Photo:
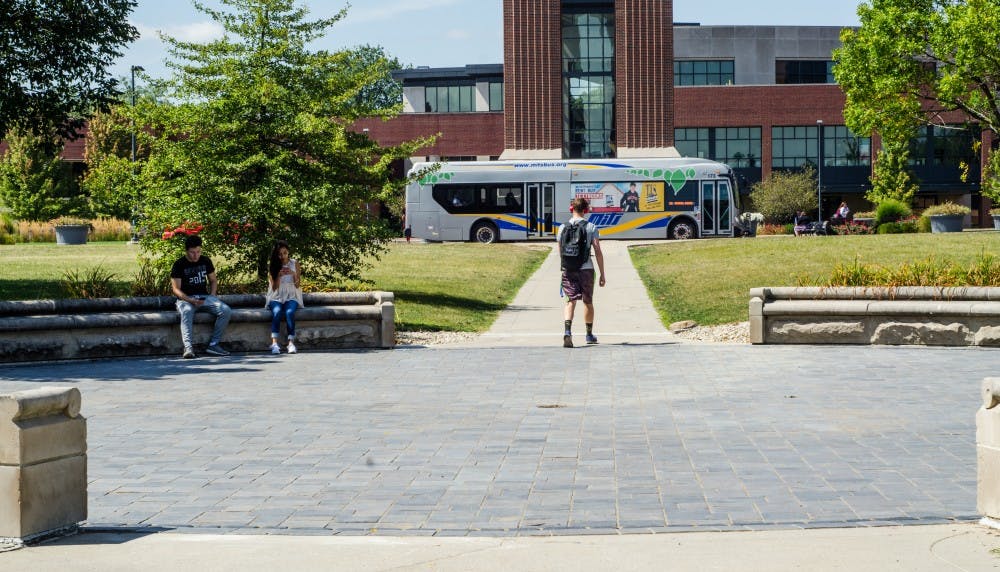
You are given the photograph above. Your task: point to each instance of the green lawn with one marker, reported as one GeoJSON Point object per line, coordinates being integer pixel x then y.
{"type": "Point", "coordinates": [708, 280]}
{"type": "Point", "coordinates": [448, 287]}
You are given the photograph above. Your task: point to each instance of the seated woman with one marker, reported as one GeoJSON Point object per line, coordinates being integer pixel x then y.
{"type": "Point", "coordinates": [801, 221]}
{"type": "Point", "coordinates": [842, 215]}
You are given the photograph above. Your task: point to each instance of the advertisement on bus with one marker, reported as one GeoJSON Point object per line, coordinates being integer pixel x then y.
{"type": "Point", "coordinates": [645, 196]}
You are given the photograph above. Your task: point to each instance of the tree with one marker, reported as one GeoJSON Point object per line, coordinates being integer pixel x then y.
{"type": "Point", "coordinates": [258, 145]}
{"type": "Point", "coordinates": [111, 182]}
{"type": "Point", "coordinates": [912, 60]}
{"type": "Point", "coordinates": [784, 194]}
{"type": "Point", "coordinates": [383, 94]}
{"type": "Point", "coordinates": [35, 184]}
{"type": "Point", "coordinates": [54, 56]}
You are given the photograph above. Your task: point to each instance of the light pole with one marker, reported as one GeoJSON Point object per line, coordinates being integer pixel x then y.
{"type": "Point", "coordinates": [819, 170]}
{"type": "Point", "coordinates": [135, 205]}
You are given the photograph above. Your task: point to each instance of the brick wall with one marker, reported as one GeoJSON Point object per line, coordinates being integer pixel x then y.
{"type": "Point", "coordinates": [644, 73]}
{"type": "Point", "coordinates": [461, 133]}
{"type": "Point", "coordinates": [532, 33]}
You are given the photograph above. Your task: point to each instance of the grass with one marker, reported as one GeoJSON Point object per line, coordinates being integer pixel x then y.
{"type": "Point", "coordinates": [438, 287]}
{"type": "Point", "coordinates": [33, 270]}
{"type": "Point", "coordinates": [453, 287]}
{"type": "Point", "coordinates": [708, 280]}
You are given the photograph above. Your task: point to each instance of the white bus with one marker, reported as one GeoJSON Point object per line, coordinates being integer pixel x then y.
{"type": "Point", "coordinates": [517, 200]}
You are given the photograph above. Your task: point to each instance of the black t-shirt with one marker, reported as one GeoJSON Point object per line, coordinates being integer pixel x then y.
{"type": "Point", "coordinates": [193, 275]}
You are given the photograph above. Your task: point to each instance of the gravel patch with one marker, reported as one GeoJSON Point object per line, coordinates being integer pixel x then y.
{"type": "Point", "coordinates": [433, 338]}
{"type": "Point", "coordinates": [738, 333]}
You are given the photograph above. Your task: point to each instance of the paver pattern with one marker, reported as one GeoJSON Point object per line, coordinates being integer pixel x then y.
{"type": "Point", "coordinates": [519, 441]}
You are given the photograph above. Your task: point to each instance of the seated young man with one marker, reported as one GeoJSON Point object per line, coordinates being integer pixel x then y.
{"type": "Point", "coordinates": [194, 283]}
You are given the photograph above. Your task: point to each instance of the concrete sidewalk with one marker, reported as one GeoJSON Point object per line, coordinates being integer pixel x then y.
{"type": "Point", "coordinates": [623, 312]}
{"type": "Point", "coordinates": [959, 547]}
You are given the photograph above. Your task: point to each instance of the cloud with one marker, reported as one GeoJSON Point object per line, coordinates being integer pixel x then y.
{"type": "Point", "coordinates": [394, 9]}
{"type": "Point", "coordinates": [199, 32]}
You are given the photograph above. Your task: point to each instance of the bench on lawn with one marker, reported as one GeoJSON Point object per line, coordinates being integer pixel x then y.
{"type": "Point", "coordinates": [918, 315]}
{"type": "Point", "coordinates": [35, 330]}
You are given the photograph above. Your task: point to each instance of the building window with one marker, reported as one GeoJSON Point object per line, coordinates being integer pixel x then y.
{"type": "Point", "coordinates": [450, 98]}
{"type": "Point", "coordinates": [842, 148]}
{"type": "Point", "coordinates": [793, 147]}
{"type": "Point", "coordinates": [944, 147]}
{"type": "Point", "coordinates": [496, 96]}
{"type": "Point", "coordinates": [588, 84]}
{"type": "Point", "coordinates": [704, 72]}
{"type": "Point", "coordinates": [738, 147]}
{"type": "Point", "coordinates": [803, 71]}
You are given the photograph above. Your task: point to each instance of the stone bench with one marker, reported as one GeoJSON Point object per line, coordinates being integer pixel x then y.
{"type": "Point", "coordinates": [965, 316]}
{"type": "Point", "coordinates": [36, 330]}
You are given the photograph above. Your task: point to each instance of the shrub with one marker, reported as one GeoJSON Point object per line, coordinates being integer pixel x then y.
{"type": "Point", "coordinates": [901, 227]}
{"type": "Point", "coordinates": [93, 283]}
{"type": "Point", "coordinates": [891, 210]}
{"type": "Point", "coordinates": [851, 227]}
{"type": "Point", "coordinates": [864, 214]}
{"type": "Point", "coordinates": [773, 229]}
{"type": "Point", "coordinates": [150, 280]}
{"type": "Point", "coordinates": [947, 209]}
{"type": "Point", "coordinates": [784, 194]}
{"type": "Point", "coordinates": [984, 271]}
{"type": "Point", "coordinates": [924, 224]}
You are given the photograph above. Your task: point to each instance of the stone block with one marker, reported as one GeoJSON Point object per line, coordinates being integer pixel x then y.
{"type": "Point", "coordinates": [33, 441]}
{"type": "Point", "coordinates": [921, 333]}
{"type": "Point", "coordinates": [817, 332]}
{"type": "Point", "coordinates": [40, 498]}
{"type": "Point", "coordinates": [988, 336]}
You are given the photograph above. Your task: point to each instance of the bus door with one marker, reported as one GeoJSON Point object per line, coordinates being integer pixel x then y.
{"type": "Point", "coordinates": [716, 208]}
{"type": "Point", "coordinates": [540, 209]}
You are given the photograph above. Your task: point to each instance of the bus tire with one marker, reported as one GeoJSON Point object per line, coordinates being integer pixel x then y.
{"type": "Point", "coordinates": [485, 233]}
{"type": "Point", "coordinates": [682, 229]}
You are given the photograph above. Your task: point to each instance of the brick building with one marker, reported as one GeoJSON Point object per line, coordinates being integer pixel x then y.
{"type": "Point", "coordinates": [592, 78]}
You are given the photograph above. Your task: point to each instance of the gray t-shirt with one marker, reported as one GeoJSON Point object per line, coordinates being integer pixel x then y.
{"type": "Point", "coordinates": [592, 233]}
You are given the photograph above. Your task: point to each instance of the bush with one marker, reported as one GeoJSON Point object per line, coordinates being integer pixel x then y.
{"type": "Point", "coordinates": [924, 223]}
{"type": "Point", "coordinates": [901, 227]}
{"type": "Point", "coordinates": [150, 280]}
{"type": "Point", "coordinates": [784, 194]}
{"type": "Point", "coordinates": [947, 209]}
{"type": "Point", "coordinates": [773, 229]}
{"type": "Point", "coordinates": [851, 227]}
{"type": "Point", "coordinates": [984, 271]}
{"type": "Point", "coordinates": [93, 283]}
{"type": "Point", "coordinates": [891, 210]}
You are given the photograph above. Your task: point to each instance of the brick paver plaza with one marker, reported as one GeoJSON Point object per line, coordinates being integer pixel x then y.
{"type": "Point", "coordinates": [518, 441]}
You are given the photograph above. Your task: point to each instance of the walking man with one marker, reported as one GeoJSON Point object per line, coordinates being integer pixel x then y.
{"type": "Point", "coordinates": [576, 239]}
{"type": "Point", "coordinates": [194, 283]}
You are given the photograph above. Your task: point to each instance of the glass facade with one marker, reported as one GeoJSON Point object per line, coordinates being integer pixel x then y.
{"type": "Point", "coordinates": [496, 96]}
{"type": "Point", "coordinates": [738, 147]}
{"type": "Point", "coordinates": [704, 72]}
{"type": "Point", "coordinates": [842, 148]}
{"type": "Point", "coordinates": [588, 47]}
{"type": "Point", "coordinates": [793, 147]}
{"type": "Point", "coordinates": [450, 98]}
{"type": "Point", "coordinates": [803, 71]}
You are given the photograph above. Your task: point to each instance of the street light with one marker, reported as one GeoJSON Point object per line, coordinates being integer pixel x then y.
{"type": "Point", "coordinates": [819, 170]}
{"type": "Point", "coordinates": [135, 205]}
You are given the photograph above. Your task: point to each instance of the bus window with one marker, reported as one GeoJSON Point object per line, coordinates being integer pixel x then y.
{"type": "Point", "coordinates": [479, 199]}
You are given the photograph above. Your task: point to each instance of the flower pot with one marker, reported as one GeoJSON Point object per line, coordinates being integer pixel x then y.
{"type": "Point", "coordinates": [72, 233]}
{"type": "Point", "coordinates": [996, 222]}
{"type": "Point", "coordinates": [947, 223]}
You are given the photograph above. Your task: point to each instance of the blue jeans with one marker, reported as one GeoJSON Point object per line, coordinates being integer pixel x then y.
{"type": "Point", "coordinates": [212, 305]}
{"type": "Point", "coordinates": [288, 309]}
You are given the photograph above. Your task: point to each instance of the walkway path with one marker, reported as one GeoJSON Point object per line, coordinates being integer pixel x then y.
{"type": "Point", "coordinates": [623, 311]}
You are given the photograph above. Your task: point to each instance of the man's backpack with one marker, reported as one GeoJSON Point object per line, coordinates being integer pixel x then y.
{"type": "Point", "coordinates": [574, 245]}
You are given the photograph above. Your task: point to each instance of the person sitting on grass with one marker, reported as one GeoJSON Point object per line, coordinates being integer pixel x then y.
{"type": "Point", "coordinates": [193, 281]}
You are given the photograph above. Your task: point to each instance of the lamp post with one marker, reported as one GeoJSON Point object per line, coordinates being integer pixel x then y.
{"type": "Point", "coordinates": [135, 206]}
{"type": "Point", "coordinates": [819, 170]}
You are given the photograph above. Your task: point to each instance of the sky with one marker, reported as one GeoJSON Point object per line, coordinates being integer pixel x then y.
{"type": "Point", "coordinates": [442, 33]}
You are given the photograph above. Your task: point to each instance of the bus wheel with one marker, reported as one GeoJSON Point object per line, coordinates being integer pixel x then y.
{"type": "Point", "coordinates": [681, 230]}
{"type": "Point", "coordinates": [485, 233]}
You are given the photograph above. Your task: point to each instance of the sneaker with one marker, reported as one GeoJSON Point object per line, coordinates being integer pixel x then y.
{"type": "Point", "coordinates": [291, 348]}
{"type": "Point", "coordinates": [188, 353]}
{"type": "Point", "coordinates": [591, 339]}
{"type": "Point", "coordinates": [275, 349]}
{"type": "Point", "coordinates": [568, 340]}
{"type": "Point", "coordinates": [216, 350]}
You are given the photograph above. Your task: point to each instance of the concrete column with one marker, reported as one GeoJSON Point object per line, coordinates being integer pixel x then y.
{"type": "Point", "coordinates": [988, 452]}
{"type": "Point", "coordinates": [43, 463]}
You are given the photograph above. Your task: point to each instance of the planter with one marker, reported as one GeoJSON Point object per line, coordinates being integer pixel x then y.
{"type": "Point", "coordinates": [947, 223]}
{"type": "Point", "coordinates": [72, 233]}
{"type": "Point", "coordinates": [996, 222]}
